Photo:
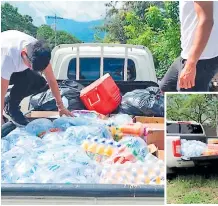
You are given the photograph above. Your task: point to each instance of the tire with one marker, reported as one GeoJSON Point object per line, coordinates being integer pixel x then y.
{"type": "Point", "coordinates": [171, 173]}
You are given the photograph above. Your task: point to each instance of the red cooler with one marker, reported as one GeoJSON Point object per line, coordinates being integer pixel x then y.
{"type": "Point", "coordinates": [102, 96]}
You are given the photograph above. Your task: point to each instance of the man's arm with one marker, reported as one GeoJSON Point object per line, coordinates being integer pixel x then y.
{"type": "Point", "coordinates": [7, 68]}
{"type": "Point", "coordinates": [52, 82]}
{"type": "Point", "coordinates": [204, 10]}
{"type": "Point", "coordinates": [4, 89]}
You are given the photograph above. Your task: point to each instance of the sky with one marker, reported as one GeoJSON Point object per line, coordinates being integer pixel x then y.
{"type": "Point", "coordinates": [76, 10]}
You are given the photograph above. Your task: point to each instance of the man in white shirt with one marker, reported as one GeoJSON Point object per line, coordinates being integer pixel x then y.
{"type": "Point", "coordinates": [22, 59]}
{"type": "Point", "coordinates": [198, 62]}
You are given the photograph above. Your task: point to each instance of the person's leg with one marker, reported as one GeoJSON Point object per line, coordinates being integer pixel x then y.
{"type": "Point", "coordinates": [206, 69]}
{"type": "Point", "coordinates": [169, 82]}
{"type": "Point", "coordinates": [25, 84]}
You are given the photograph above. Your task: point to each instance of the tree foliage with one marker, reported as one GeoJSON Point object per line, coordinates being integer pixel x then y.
{"type": "Point", "coordinates": [152, 24]}
{"type": "Point", "coordinates": [47, 33]}
{"type": "Point", "coordinates": [11, 19]}
{"type": "Point", "coordinates": [201, 108]}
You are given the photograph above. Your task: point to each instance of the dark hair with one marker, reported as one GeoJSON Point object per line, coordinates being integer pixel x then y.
{"type": "Point", "coordinates": [39, 55]}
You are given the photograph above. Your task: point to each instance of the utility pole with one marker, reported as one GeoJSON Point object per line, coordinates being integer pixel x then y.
{"type": "Point", "coordinates": [55, 17]}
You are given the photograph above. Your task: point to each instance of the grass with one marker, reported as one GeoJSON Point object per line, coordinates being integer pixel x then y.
{"type": "Point", "coordinates": [192, 189]}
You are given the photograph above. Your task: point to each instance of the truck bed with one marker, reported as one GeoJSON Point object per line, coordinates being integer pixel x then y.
{"type": "Point", "coordinates": [124, 86]}
{"type": "Point", "coordinates": [202, 160]}
{"type": "Point", "coordinates": [79, 193]}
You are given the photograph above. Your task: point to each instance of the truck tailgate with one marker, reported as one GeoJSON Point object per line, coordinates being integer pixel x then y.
{"type": "Point", "coordinates": [81, 194]}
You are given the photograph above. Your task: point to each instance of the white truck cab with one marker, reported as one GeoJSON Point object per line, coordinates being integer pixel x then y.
{"type": "Point", "coordinates": [89, 61]}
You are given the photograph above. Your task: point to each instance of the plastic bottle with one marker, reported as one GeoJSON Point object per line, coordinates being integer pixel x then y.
{"type": "Point", "coordinates": [136, 129]}
{"type": "Point", "coordinates": [5, 145]}
{"type": "Point", "coordinates": [39, 126]}
{"type": "Point", "coordinates": [108, 151]}
{"type": "Point", "coordinates": [91, 150]}
{"type": "Point", "coordinates": [85, 145]}
{"type": "Point", "coordinates": [100, 152]}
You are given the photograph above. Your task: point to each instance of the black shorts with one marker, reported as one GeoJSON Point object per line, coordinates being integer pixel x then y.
{"type": "Point", "coordinates": [206, 70]}
{"type": "Point", "coordinates": [25, 83]}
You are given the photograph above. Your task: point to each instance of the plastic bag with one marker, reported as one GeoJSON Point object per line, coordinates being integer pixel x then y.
{"type": "Point", "coordinates": [24, 168]}
{"type": "Point", "coordinates": [137, 146]}
{"type": "Point", "coordinates": [65, 122]}
{"type": "Point", "coordinates": [79, 133]}
{"type": "Point", "coordinates": [88, 114]}
{"type": "Point", "coordinates": [5, 145]}
{"type": "Point", "coordinates": [136, 173]}
{"type": "Point", "coordinates": [51, 137]}
{"type": "Point", "coordinates": [119, 120]}
{"type": "Point", "coordinates": [10, 159]}
{"type": "Point", "coordinates": [192, 148]}
{"type": "Point", "coordinates": [39, 126]}
{"type": "Point", "coordinates": [143, 102]}
{"type": "Point", "coordinates": [70, 90]}
{"type": "Point", "coordinates": [47, 173]}
{"type": "Point", "coordinates": [29, 142]}
{"type": "Point", "coordinates": [14, 136]}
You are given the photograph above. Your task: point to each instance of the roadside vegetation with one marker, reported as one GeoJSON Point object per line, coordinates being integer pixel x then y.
{"type": "Point", "coordinates": [12, 19]}
{"type": "Point", "coordinates": [193, 189]}
{"type": "Point", "coordinates": [151, 24]}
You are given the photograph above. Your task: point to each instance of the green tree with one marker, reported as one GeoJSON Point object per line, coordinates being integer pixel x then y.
{"type": "Point", "coordinates": [47, 33]}
{"type": "Point", "coordinates": [152, 24]}
{"type": "Point", "coordinates": [12, 19]}
{"type": "Point", "coordinates": [201, 108]}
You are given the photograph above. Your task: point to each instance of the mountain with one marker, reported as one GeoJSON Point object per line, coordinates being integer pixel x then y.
{"type": "Point", "coordinates": [84, 31]}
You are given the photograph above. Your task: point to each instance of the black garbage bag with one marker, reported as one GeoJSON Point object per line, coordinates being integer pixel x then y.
{"type": "Point", "coordinates": [69, 89]}
{"type": "Point", "coordinates": [143, 102]}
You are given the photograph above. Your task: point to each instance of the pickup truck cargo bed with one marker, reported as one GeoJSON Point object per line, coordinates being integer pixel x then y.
{"type": "Point", "coordinates": [79, 193]}
{"type": "Point", "coordinates": [211, 159]}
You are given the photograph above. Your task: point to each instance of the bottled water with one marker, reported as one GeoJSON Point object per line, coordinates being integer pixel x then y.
{"type": "Point", "coordinates": [137, 146]}
{"type": "Point", "coordinates": [24, 168]}
{"type": "Point", "coordinates": [15, 135]}
{"type": "Point", "coordinates": [84, 153]}
{"type": "Point", "coordinates": [29, 142]}
{"type": "Point", "coordinates": [5, 145]}
{"type": "Point", "coordinates": [39, 126]}
{"type": "Point", "coordinates": [192, 148]}
{"type": "Point", "coordinates": [79, 133]}
{"type": "Point", "coordinates": [119, 120]}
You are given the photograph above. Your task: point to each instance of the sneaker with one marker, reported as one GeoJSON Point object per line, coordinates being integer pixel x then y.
{"type": "Point", "coordinates": [15, 115]}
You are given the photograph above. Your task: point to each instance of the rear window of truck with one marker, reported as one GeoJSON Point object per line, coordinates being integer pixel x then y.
{"type": "Point", "coordinates": [184, 128]}
{"type": "Point", "coordinates": [90, 68]}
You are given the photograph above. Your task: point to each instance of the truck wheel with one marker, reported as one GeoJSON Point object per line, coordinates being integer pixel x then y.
{"type": "Point", "coordinates": [171, 173]}
{"type": "Point", "coordinates": [170, 170]}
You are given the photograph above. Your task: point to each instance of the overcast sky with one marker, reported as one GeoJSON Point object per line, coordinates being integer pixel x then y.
{"type": "Point", "coordinates": [77, 10]}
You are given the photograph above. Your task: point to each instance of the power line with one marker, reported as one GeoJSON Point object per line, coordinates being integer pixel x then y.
{"type": "Point", "coordinates": [55, 17]}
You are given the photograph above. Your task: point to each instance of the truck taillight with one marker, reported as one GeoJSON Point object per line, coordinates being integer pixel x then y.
{"type": "Point", "coordinates": [177, 148]}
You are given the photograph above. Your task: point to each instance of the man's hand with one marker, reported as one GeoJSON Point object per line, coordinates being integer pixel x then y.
{"type": "Point", "coordinates": [64, 111]}
{"type": "Point", "coordinates": [187, 76]}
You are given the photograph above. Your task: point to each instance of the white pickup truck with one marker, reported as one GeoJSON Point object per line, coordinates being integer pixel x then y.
{"type": "Point", "coordinates": [89, 61]}
{"type": "Point", "coordinates": [189, 130]}
{"type": "Point", "coordinates": [132, 67]}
